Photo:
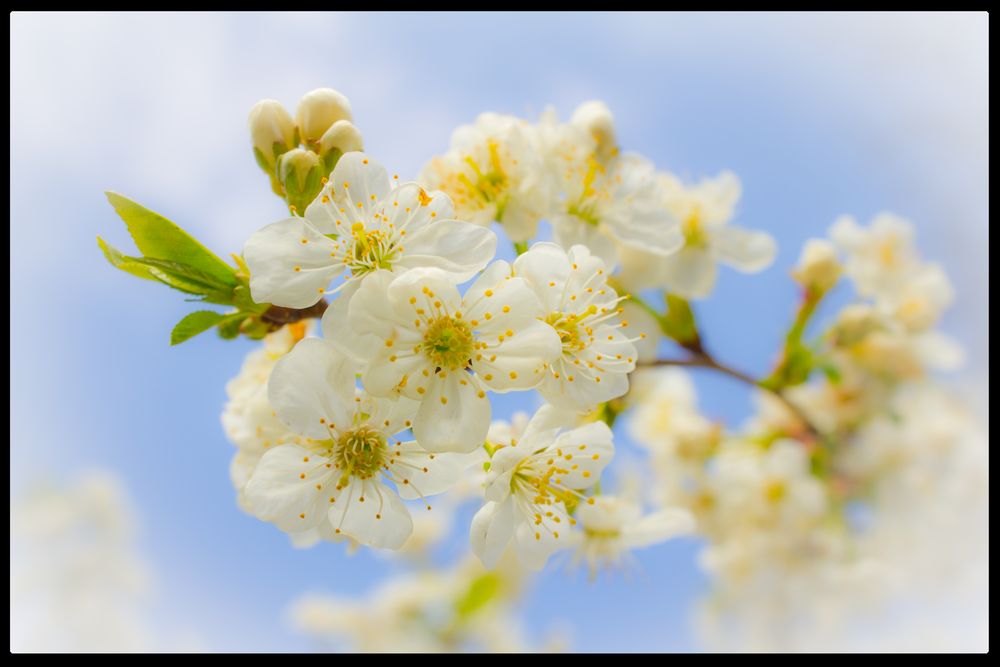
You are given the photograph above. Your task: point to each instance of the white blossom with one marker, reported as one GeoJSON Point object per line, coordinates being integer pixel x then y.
{"type": "Point", "coordinates": [613, 526]}
{"type": "Point", "coordinates": [533, 481]}
{"type": "Point", "coordinates": [445, 350]}
{"type": "Point", "coordinates": [360, 224]}
{"type": "Point", "coordinates": [703, 211]}
{"type": "Point", "coordinates": [493, 172]}
{"type": "Point", "coordinates": [578, 303]}
{"type": "Point", "coordinates": [338, 482]}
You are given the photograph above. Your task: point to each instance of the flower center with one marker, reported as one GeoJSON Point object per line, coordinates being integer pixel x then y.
{"type": "Point", "coordinates": [489, 184]}
{"type": "Point", "coordinates": [544, 487]}
{"type": "Point", "coordinates": [585, 208]}
{"type": "Point", "coordinates": [360, 453]}
{"type": "Point", "coordinates": [887, 253]}
{"type": "Point", "coordinates": [602, 534]}
{"type": "Point", "coordinates": [570, 331]}
{"type": "Point", "coordinates": [775, 490]}
{"type": "Point", "coordinates": [372, 250]}
{"type": "Point", "coordinates": [448, 343]}
{"type": "Point", "coordinates": [694, 230]}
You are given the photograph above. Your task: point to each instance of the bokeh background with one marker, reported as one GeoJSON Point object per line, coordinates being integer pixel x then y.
{"type": "Point", "coordinates": [818, 114]}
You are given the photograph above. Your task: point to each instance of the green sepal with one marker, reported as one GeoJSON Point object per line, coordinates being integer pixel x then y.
{"type": "Point", "coordinates": [242, 299]}
{"type": "Point", "coordinates": [230, 328]}
{"type": "Point", "coordinates": [254, 328]}
{"type": "Point", "coordinates": [330, 160]}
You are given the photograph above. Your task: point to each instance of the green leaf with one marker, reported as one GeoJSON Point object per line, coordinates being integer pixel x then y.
{"type": "Point", "coordinates": [123, 262]}
{"type": "Point", "coordinates": [481, 591]}
{"type": "Point", "coordinates": [158, 238]}
{"type": "Point", "coordinates": [193, 324]}
{"type": "Point", "coordinates": [188, 279]}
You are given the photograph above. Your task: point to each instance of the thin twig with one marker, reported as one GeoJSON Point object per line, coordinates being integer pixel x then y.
{"type": "Point", "coordinates": [704, 360]}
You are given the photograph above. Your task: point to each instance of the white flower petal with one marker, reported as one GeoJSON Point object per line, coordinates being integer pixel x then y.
{"type": "Point", "coordinates": [590, 449]}
{"type": "Point", "coordinates": [658, 527]}
{"type": "Point", "coordinates": [389, 415]}
{"type": "Point", "coordinates": [492, 528]}
{"type": "Point", "coordinates": [427, 474]}
{"type": "Point", "coordinates": [495, 304]}
{"type": "Point", "coordinates": [537, 543]}
{"type": "Point", "coordinates": [411, 285]}
{"type": "Point", "coordinates": [520, 219]}
{"type": "Point", "coordinates": [503, 465]}
{"type": "Point", "coordinates": [744, 249]}
{"type": "Point", "coordinates": [396, 370]}
{"type": "Point", "coordinates": [283, 488]}
{"type": "Point", "coordinates": [645, 327]}
{"type": "Point", "coordinates": [371, 312]}
{"type": "Point", "coordinates": [569, 230]}
{"type": "Point", "coordinates": [358, 183]}
{"type": "Point", "coordinates": [461, 249]}
{"type": "Point", "coordinates": [454, 415]}
{"type": "Point", "coordinates": [323, 215]}
{"type": "Point", "coordinates": [337, 328]}
{"type": "Point", "coordinates": [544, 424]}
{"type": "Point", "coordinates": [518, 361]}
{"type": "Point", "coordinates": [410, 208]}
{"type": "Point", "coordinates": [690, 272]}
{"type": "Point", "coordinates": [546, 266]}
{"type": "Point", "coordinates": [312, 388]}
{"type": "Point", "coordinates": [652, 229]}
{"type": "Point", "coordinates": [372, 514]}
{"type": "Point", "coordinates": [290, 263]}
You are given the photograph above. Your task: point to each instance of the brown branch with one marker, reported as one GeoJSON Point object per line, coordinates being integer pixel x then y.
{"type": "Point", "coordinates": [278, 316]}
{"type": "Point", "coordinates": [705, 360]}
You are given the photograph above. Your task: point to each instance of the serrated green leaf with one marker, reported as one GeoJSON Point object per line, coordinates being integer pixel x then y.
{"type": "Point", "coordinates": [193, 324]}
{"type": "Point", "coordinates": [159, 238]}
{"type": "Point", "coordinates": [123, 262]}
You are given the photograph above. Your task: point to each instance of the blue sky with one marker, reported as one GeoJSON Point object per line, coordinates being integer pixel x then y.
{"type": "Point", "coordinates": [818, 114]}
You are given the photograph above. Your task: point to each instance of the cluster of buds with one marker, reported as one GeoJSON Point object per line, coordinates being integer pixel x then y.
{"type": "Point", "coordinates": [297, 153]}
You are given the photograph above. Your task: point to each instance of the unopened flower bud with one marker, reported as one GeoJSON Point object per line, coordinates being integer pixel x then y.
{"type": "Point", "coordinates": [854, 323]}
{"type": "Point", "coordinates": [301, 174]}
{"type": "Point", "coordinates": [819, 268]}
{"type": "Point", "coordinates": [272, 131]}
{"type": "Point", "coordinates": [596, 119]}
{"type": "Point", "coordinates": [318, 110]}
{"type": "Point", "coordinates": [342, 137]}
